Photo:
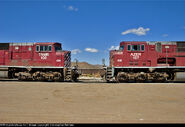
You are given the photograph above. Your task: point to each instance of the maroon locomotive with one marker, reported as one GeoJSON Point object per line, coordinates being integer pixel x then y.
{"type": "Point", "coordinates": [140, 61]}
{"type": "Point", "coordinates": [36, 61]}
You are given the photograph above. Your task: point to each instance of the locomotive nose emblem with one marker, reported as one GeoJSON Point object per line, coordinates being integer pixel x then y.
{"type": "Point", "coordinates": [135, 55]}
{"type": "Point", "coordinates": [43, 56]}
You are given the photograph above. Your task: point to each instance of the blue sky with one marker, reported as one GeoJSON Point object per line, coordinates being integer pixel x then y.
{"type": "Point", "coordinates": [91, 28]}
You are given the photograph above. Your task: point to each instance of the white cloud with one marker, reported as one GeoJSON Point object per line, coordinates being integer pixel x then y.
{"type": "Point", "coordinates": [76, 51]}
{"type": "Point", "coordinates": [91, 50]}
{"type": "Point", "coordinates": [71, 8]}
{"type": "Point", "coordinates": [139, 31]}
{"type": "Point", "coordinates": [165, 35]}
{"type": "Point", "coordinates": [114, 48]}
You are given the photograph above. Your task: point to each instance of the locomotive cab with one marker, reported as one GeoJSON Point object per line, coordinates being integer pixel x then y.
{"type": "Point", "coordinates": [136, 53]}
{"type": "Point", "coordinates": [51, 54]}
{"type": "Point", "coordinates": [129, 54]}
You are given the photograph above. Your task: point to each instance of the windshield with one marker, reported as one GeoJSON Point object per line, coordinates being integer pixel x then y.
{"type": "Point", "coordinates": [135, 47]}
{"type": "Point", "coordinates": [122, 47]}
{"type": "Point", "coordinates": [57, 48]}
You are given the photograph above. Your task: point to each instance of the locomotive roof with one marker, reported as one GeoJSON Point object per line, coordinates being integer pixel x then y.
{"type": "Point", "coordinates": [31, 43]}
{"type": "Point", "coordinates": [162, 42]}
{"type": "Point", "coordinates": [152, 42]}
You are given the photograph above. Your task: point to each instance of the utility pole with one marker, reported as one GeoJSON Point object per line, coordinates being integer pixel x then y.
{"type": "Point", "coordinates": [103, 62]}
{"type": "Point", "coordinates": [76, 63]}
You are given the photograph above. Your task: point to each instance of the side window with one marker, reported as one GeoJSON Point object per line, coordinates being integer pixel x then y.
{"type": "Point", "coordinates": [37, 48]}
{"type": "Point", "coordinates": [135, 47]}
{"type": "Point", "coordinates": [142, 47]}
{"type": "Point", "coordinates": [41, 48]}
{"type": "Point", "coordinates": [49, 48]}
{"type": "Point", "coordinates": [45, 48]}
{"type": "Point", "coordinates": [122, 47]}
{"type": "Point", "coordinates": [128, 47]}
{"type": "Point", "coordinates": [57, 48]}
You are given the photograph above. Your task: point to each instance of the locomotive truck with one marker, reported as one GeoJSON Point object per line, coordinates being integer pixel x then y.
{"type": "Point", "coordinates": [36, 61]}
{"type": "Point", "coordinates": [143, 60]}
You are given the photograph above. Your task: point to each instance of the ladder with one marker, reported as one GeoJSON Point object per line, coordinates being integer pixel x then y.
{"type": "Point", "coordinates": [68, 74]}
{"type": "Point", "coordinates": [109, 76]}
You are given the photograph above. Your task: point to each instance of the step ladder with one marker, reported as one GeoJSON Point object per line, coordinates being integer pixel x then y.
{"type": "Point", "coordinates": [109, 76]}
{"type": "Point", "coordinates": [68, 74]}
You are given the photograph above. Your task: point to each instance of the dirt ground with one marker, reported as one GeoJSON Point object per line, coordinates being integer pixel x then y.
{"type": "Point", "coordinates": [59, 102]}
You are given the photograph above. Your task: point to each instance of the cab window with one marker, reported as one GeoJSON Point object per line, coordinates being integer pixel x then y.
{"type": "Point", "coordinates": [135, 47]}
{"type": "Point", "coordinates": [41, 48]}
{"type": "Point", "coordinates": [57, 48]}
{"type": "Point", "coordinates": [49, 48]}
{"type": "Point", "coordinates": [128, 47]}
{"type": "Point", "coordinates": [122, 47]}
{"type": "Point", "coordinates": [142, 47]}
{"type": "Point", "coordinates": [45, 48]}
{"type": "Point", "coordinates": [37, 48]}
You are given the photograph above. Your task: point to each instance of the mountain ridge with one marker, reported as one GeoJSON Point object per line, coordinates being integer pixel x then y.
{"type": "Point", "coordinates": [86, 65]}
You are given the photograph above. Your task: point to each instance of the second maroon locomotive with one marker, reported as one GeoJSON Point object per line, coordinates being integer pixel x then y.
{"type": "Point", "coordinates": [141, 60]}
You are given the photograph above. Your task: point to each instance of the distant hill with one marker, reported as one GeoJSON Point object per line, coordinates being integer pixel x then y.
{"type": "Point", "coordinates": [85, 65]}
